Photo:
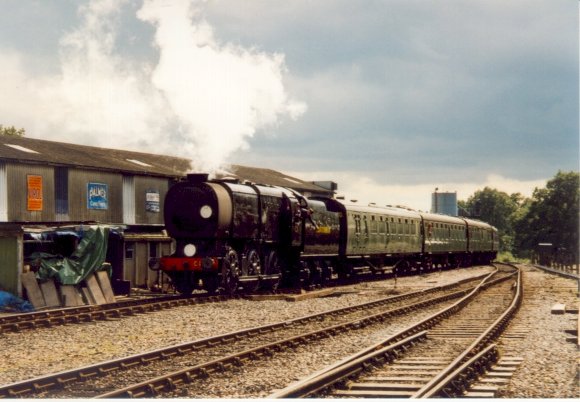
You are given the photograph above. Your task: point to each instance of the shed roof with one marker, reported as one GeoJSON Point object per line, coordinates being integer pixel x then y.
{"type": "Point", "coordinates": [21, 149]}
{"type": "Point", "coordinates": [31, 150]}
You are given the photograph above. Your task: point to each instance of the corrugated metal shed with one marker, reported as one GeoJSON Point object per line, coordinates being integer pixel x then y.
{"type": "Point", "coordinates": [30, 150]}
{"type": "Point", "coordinates": [21, 149]}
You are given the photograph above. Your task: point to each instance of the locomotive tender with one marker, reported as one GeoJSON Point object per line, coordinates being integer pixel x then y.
{"type": "Point", "coordinates": [232, 235]}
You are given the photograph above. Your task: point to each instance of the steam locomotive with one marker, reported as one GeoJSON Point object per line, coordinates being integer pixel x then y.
{"type": "Point", "coordinates": [233, 236]}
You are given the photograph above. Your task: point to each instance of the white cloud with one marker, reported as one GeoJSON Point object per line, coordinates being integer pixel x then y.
{"type": "Point", "coordinates": [366, 190]}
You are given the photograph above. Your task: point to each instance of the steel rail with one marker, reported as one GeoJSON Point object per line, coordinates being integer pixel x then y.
{"type": "Point", "coordinates": [83, 314]}
{"type": "Point", "coordinates": [75, 315]}
{"type": "Point", "coordinates": [559, 272]}
{"type": "Point", "coordinates": [170, 381]}
{"type": "Point", "coordinates": [352, 365]}
{"type": "Point", "coordinates": [444, 383]}
{"type": "Point", "coordinates": [52, 381]}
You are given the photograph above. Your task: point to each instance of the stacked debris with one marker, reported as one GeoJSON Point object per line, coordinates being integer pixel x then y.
{"type": "Point", "coordinates": [79, 279]}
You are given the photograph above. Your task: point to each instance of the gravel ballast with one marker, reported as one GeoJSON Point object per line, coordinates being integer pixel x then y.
{"type": "Point", "coordinates": [48, 350]}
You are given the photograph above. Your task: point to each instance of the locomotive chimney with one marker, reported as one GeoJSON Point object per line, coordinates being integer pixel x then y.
{"type": "Point", "coordinates": [196, 178]}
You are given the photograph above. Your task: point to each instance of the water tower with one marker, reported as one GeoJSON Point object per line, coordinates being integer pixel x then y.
{"type": "Point", "coordinates": [444, 203]}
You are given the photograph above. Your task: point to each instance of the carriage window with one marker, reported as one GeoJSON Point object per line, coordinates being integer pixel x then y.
{"type": "Point", "coordinates": [374, 226]}
{"type": "Point", "coordinates": [382, 227]}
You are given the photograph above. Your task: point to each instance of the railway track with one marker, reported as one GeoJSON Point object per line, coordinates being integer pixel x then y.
{"type": "Point", "coordinates": [440, 362]}
{"type": "Point", "coordinates": [560, 272]}
{"type": "Point", "coordinates": [77, 315]}
{"type": "Point", "coordinates": [147, 374]}
{"type": "Point", "coordinates": [125, 308]}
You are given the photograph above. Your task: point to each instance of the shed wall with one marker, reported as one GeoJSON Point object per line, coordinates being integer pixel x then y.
{"type": "Point", "coordinates": [10, 258]}
{"type": "Point", "coordinates": [16, 175]}
{"type": "Point", "coordinates": [147, 211]}
{"type": "Point", "coordinates": [79, 210]}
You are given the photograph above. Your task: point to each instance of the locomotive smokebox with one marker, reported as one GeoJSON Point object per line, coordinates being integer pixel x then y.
{"type": "Point", "coordinates": [196, 178]}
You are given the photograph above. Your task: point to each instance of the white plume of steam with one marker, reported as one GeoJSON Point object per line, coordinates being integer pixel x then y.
{"type": "Point", "coordinates": [100, 98]}
{"type": "Point", "coordinates": [203, 100]}
{"type": "Point", "coordinates": [221, 94]}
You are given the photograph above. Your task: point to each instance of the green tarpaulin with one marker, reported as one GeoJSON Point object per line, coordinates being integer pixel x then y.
{"type": "Point", "coordinates": [87, 258]}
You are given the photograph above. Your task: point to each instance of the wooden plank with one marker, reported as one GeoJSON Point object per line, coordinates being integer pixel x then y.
{"type": "Point", "coordinates": [105, 284]}
{"type": "Point", "coordinates": [95, 290]}
{"type": "Point", "coordinates": [310, 295]}
{"type": "Point", "coordinates": [265, 297]}
{"type": "Point", "coordinates": [70, 296]}
{"type": "Point", "coordinates": [50, 294]}
{"type": "Point", "coordinates": [423, 367]}
{"type": "Point", "coordinates": [494, 380]}
{"type": "Point", "coordinates": [33, 291]}
{"type": "Point", "coordinates": [87, 296]}
{"type": "Point", "coordinates": [483, 388]}
{"type": "Point", "coordinates": [373, 394]}
{"type": "Point", "coordinates": [470, 394]}
{"type": "Point", "coordinates": [505, 368]}
{"type": "Point", "coordinates": [400, 378]}
{"type": "Point", "coordinates": [434, 363]}
{"type": "Point", "coordinates": [490, 374]}
{"type": "Point", "coordinates": [559, 308]}
{"type": "Point", "coordinates": [372, 386]}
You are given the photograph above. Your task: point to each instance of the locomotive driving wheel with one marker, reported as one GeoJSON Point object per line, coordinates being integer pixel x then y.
{"type": "Point", "coordinates": [252, 267]}
{"type": "Point", "coordinates": [274, 267]}
{"type": "Point", "coordinates": [230, 272]}
{"type": "Point", "coordinates": [254, 263]}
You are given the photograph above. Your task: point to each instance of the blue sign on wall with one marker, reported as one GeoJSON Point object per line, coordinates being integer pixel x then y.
{"type": "Point", "coordinates": [98, 196]}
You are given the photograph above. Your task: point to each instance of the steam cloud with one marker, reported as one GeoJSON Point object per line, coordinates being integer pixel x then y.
{"type": "Point", "coordinates": [203, 100]}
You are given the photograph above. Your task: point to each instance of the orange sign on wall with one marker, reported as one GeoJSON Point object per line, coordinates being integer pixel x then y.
{"type": "Point", "coordinates": [34, 192]}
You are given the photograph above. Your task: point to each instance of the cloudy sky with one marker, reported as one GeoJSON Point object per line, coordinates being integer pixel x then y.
{"type": "Point", "coordinates": [390, 98]}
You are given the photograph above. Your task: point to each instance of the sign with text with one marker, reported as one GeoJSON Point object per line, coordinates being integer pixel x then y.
{"type": "Point", "coordinates": [34, 185]}
{"type": "Point", "coordinates": [98, 196]}
{"type": "Point", "coordinates": [152, 201]}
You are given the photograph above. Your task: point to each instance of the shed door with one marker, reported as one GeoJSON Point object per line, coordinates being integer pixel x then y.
{"type": "Point", "coordinates": [129, 265]}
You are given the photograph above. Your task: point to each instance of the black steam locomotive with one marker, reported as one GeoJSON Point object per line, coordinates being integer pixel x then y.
{"type": "Point", "coordinates": [231, 236]}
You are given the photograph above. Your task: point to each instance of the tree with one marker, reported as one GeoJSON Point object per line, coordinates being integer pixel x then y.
{"type": "Point", "coordinates": [12, 131]}
{"type": "Point", "coordinates": [496, 208]}
{"type": "Point", "coordinates": [552, 216]}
